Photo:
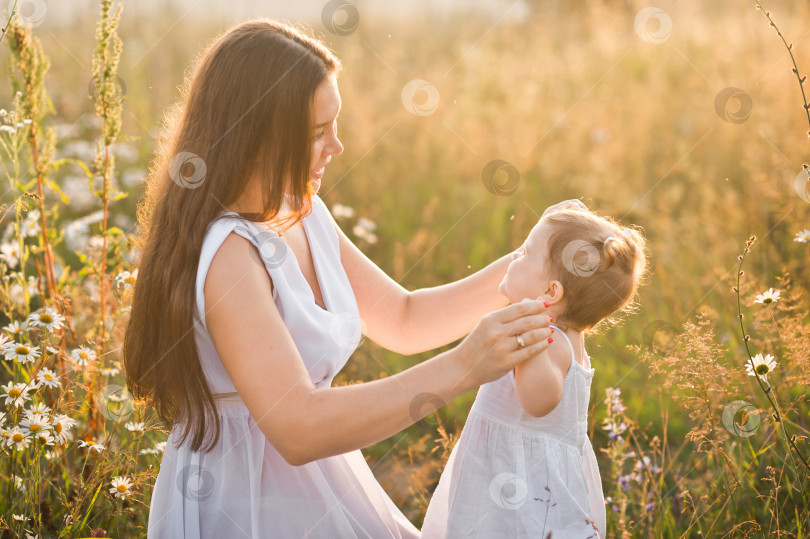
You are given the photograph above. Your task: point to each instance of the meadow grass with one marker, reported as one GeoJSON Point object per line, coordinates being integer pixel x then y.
{"type": "Point", "coordinates": [582, 107]}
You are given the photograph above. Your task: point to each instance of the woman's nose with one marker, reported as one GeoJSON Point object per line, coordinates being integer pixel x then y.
{"type": "Point", "coordinates": [337, 148]}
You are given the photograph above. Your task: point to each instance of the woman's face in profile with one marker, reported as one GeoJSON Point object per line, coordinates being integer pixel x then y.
{"type": "Point", "coordinates": [327, 107]}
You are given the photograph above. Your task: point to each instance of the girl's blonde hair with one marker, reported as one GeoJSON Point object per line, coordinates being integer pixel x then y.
{"type": "Point", "coordinates": [599, 262]}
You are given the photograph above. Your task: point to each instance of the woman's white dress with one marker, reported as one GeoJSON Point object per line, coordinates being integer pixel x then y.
{"type": "Point", "coordinates": [244, 487]}
{"type": "Point", "coordinates": [511, 474]}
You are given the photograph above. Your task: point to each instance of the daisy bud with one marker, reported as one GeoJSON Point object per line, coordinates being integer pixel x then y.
{"type": "Point", "coordinates": [734, 289]}
{"type": "Point", "coordinates": [741, 316]}
{"type": "Point", "coordinates": [775, 419]}
{"type": "Point", "coordinates": [790, 46]}
{"type": "Point", "coordinates": [795, 70]}
{"type": "Point", "coordinates": [739, 257]}
{"type": "Point", "coordinates": [747, 337]}
{"type": "Point", "coordinates": [803, 79]}
{"type": "Point", "coordinates": [741, 272]}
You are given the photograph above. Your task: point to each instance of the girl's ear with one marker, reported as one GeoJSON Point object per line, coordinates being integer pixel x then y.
{"type": "Point", "coordinates": [554, 293]}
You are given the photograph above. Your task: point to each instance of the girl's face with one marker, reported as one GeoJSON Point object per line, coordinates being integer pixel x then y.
{"type": "Point", "coordinates": [327, 107]}
{"type": "Point", "coordinates": [525, 277]}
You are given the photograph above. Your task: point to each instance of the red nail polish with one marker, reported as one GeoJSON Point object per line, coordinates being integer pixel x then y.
{"type": "Point", "coordinates": [551, 318]}
{"type": "Point", "coordinates": [551, 339]}
{"type": "Point", "coordinates": [546, 304]}
{"type": "Point", "coordinates": [552, 330]}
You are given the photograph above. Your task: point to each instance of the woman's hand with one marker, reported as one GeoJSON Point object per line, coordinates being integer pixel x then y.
{"type": "Point", "coordinates": [574, 204]}
{"type": "Point", "coordinates": [492, 348]}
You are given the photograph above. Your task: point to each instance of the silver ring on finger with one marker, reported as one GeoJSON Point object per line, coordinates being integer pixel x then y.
{"type": "Point", "coordinates": [521, 344]}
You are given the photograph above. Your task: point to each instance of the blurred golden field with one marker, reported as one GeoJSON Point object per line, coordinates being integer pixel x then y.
{"type": "Point", "coordinates": [582, 106]}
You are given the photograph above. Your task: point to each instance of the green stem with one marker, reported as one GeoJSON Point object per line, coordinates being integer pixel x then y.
{"type": "Point", "coordinates": [767, 391]}
{"type": "Point", "coordinates": [10, 16]}
{"type": "Point", "coordinates": [789, 47]}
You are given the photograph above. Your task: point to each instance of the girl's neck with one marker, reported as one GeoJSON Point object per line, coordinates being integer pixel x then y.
{"type": "Point", "coordinates": [576, 337]}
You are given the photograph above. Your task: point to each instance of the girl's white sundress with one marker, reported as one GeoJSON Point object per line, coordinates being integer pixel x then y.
{"type": "Point", "coordinates": [511, 474]}
{"type": "Point", "coordinates": [244, 487]}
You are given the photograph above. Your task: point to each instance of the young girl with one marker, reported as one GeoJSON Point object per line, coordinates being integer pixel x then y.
{"type": "Point", "coordinates": [523, 465]}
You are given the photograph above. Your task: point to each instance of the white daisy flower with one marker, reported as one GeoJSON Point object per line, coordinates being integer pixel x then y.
{"type": "Point", "coordinates": [61, 427]}
{"type": "Point", "coordinates": [30, 225]}
{"type": "Point", "coordinates": [15, 394]}
{"type": "Point", "coordinates": [762, 365]}
{"type": "Point", "coordinates": [21, 353]}
{"type": "Point", "coordinates": [768, 297]}
{"type": "Point", "coordinates": [367, 223]}
{"type": "Point", "coordinates": [121, 487]}
{"type": "Point", "coordinates": [98, 448]}
{"type": "Point", "coordinates": [16, 329]}
{"type": "Point", "coordinates": [134, 427]}
{"type": "Point", "coordinates": [7, 129]}
{"type": "Point", "coordinates": [364, 234]}
{"type": "Point", "coordinates": [48, 319]}
{"type": "Point", "coordinates": [341, 211]}
{"type": "Point", "coordinates": [48, 378]}
{"type": "Point", "coordinates": [10, 252]}
{"type": "Point", "coordinates": [803, 236]}
{"type": "Point", "coordinates": [50, 454]}
{"type": "Point", "coordinates": [44, 437]}
{"type": "Point", "coordinates": [126, 279]}
{"type": "Point", "coordinates": [35, 423]}
{"type": "Point", "coordinates": [18, 438]}
{"type": "Point", "coordinates": [3, 342]}
{"type": "Point", "coordinates": [160, 447]}
{"type": "Point", "coordinates": [111, 371]}
{"type": "Point", "coordinates": [20, 518]}
{"type": "Point", "coordinates": [38, 408]}
{"type": "Point", "coordinates": [82, 356]}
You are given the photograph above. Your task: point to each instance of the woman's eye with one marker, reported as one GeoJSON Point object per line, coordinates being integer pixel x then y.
{"type": "Point", "coordinates": [319, 136]}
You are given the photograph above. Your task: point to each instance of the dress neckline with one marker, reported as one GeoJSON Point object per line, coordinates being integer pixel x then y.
{"type": "Point", "coordinates": [315, 262]}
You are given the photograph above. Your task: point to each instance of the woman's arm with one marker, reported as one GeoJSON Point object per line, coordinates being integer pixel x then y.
{"type": "Point", "coordinates": [305, 424]}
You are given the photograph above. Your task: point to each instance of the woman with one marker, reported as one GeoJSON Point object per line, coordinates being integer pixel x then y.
{"type": "Point", "coordinates": [248, 303]}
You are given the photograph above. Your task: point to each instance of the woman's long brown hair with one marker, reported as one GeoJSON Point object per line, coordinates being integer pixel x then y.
{"type": "Point", "coordinates": [250, 99]}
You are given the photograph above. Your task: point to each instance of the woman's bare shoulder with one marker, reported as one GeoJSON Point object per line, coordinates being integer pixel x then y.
{"type": "Point", "coordinates": [236, 260]}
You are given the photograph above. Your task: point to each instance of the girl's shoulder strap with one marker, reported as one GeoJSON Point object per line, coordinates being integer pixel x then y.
{"type": "Point", "coordinates": [570, 346]}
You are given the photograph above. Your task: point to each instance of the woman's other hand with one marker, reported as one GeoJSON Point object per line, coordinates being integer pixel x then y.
{"type": "Point", "coordinates": [492, 349]}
